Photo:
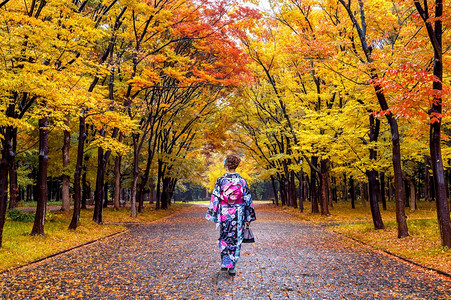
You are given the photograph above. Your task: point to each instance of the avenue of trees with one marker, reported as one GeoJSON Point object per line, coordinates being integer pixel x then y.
{"type": "Point", "coordinates": [322, 97]}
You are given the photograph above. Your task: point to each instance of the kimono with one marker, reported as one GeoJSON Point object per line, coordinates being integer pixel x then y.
{"type": "Point", "coordinates": [230, 208]}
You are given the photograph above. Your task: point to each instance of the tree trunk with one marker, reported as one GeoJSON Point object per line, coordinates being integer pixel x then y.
{"type": "Point", "coordinates": [86, 193]}
{"type": "Point", "coordinates": [276, 195]}
{"type": "Point", "coordinates": [105, 194]}
{"type": "Point", "coordinates": [117, 182]}
{"type": "Point", "coordinates": [301, 191]}
{"type": "Point", "coordinates": [135, 174]}
{"type": "Point", "coordinates": [324, 188]}
{"type": "Point", "coordinates": [293, 190]}
{"type": "Point", "coordinates": [362, 193]}
{"type": "Point", "coordinates": [152, 191]}
{"type": "Point", "coordinates": [159, 175]}
{"type": "Point", "coordinates": [6, 151]}
{"type": "Point", "coordinates": [38, 226]}
{"type": "Point", "coordinates": [98, 199]}
{"type": "Point", "coordinates": [374, 205]}
{"type": "Point", "coordinates": [77, 175]}
{"type": "Point", "coordinates": [66, 162]}
{"type": "Point", "coordinates": [352, 191]}
{"type": "Point", "coordinates": [345, 187]}
{"type": "Point", "coordinates": [313, 186]}
{"type": "Point", "coordinates": [145, 177]}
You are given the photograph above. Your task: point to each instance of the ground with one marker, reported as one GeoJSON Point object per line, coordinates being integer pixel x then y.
{"type": "Point", "coordinates": [178, 258]}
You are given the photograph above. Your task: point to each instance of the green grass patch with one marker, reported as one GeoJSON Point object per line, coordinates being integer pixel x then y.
{"type": "Point", "coordinates": [19, 247]}
{"type": "Point", "coordinates": [422, 246]}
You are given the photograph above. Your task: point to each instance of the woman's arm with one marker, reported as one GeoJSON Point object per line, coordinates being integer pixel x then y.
{"type": "Point", "coordinates": [213, 208]}
{"type": "Point", "coordinates": [249, 210]}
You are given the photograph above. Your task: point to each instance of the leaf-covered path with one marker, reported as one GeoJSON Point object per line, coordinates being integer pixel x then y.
{"type": "Point", "coordinates": [177, 258]}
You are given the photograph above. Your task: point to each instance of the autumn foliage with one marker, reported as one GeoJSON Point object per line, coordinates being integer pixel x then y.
{"type": "Point", "coordinates": [327, 100]}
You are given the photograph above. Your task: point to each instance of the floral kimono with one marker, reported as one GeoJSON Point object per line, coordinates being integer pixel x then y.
{"type": "Point", "coordinates": [230, 208]}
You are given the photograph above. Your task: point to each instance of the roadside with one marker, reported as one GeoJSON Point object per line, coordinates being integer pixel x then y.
{"type": "Point", "coordinates": [20, 248]}
{"type": "Point", "coordinates": [421, 247]}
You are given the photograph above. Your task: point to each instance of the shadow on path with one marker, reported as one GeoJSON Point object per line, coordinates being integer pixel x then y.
{"type": "Point", "coordinates": [177, 258]}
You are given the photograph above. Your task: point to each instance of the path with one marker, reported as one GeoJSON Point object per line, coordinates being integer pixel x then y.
{"type": "Point", "coordinates": [177, 258]}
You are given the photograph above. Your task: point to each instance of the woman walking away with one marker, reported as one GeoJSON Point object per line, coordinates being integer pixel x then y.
{"type": "Point", "coordinates": [231, 209]}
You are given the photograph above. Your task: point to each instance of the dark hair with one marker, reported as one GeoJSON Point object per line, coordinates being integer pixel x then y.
{"type": "Point", "coordinates": [232, 161]}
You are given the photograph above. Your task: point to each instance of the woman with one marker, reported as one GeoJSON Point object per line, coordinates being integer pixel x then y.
{"type": "Point", "coordinates": [231, 208]}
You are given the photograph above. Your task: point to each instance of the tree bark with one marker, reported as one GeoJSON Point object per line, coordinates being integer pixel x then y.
{"type": "Point", "coordinates": [324, 188]}
{"type": "Point", "coordinates": [38, 226]}
{"type": "Point", "coordinates": [301, 191]}
{"type": "Point", "coordinates": [372, 176]}
{"type": "Point", "coordinates": [66, 162]}
{"type": "Point", "coordinates": [345, 187]}
{"type": "Point", "coordinates": [117, 182]}
{"type": "Point", "coordinates": [98, 199]}
{"type": "Point", "coordinates": [77, 175]}
{"type": "Point", "coordinates": [135, 174]}
{"type": "Point", "coordinates": [313, 186]}
{"type": "Point", "coordinates": [352, 191]}
{"type": "Point", "coordinates": [6, 151]}
{"type": "Point", "coordinates": [362, 194]}
{"type": "Point", "coordinates": [276, 195]}
{"type": "Point", "coordinates": [293, 190]}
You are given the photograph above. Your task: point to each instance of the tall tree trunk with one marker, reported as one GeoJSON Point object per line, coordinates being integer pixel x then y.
{"type": "Point", "coordinates": [345, 187]}
{"type": "Point", "coordinates": [117, 182]}
{"type": "Point", "coordinates": [293, 190]}
{"type": "Point", "coordinates": [77, 175]}
{"type": "Point", "coordinates": [135, 174]}
{"type": "Point", "coordinates": [400, 194]}
{"type": "Point", "coordinates": [374, 205]}
{"type": "Point", "coordinates": [276, 195]}
{"type": "Point", "coordinates": [38, 226]}
{"type": "Point", "coordinates": [145, 176]}
{"type": "Point", "coordinates": [152, 191]}
{"type": "Point", "coordinates": [102, 160]}
{"type": "Point", "coordinates": [86, 187]}
{"type": "Point", "coordinates": [159, 175]}
{"type": "Point", "coordinates": [13, 186]}
{"type": "Point", "coordinates": [98, 199]}
{"type": "Point", "coordinates": [435, 30]}
{"type": "Point", "coordinates": [324, 188]}
{"type": "Point", "coordinates": [313, 186]}
{"type": "Point", "coordinates": [6, 151]}
{"type": "Point", "coordinates": [165, 193]}
{"type": "Point", "coordinates": [363, 193]}
{"type": "Point", "coordinates": [372, 176]}
{"type": "Point", "coordinates": [283, 190]}
{"type": "Point", "coordinates": [66, 162]}
{"type": "Point", "coordinates": [352, 191]}
{"type": "Point", "coordinates": [301, 191]}
{"type": "Point", "coordinates": [105, 194]}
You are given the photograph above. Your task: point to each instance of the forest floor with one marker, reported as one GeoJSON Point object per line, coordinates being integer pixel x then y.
{"type": "Point", "coordinates": [177, 258]}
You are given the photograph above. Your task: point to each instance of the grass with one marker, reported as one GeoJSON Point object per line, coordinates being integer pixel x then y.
{"type": "Point", "coordinates": [19, 247]}
{"type": "Point", "coordinates": [422, 246]}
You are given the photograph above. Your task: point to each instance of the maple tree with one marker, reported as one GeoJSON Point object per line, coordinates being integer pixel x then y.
{"type": "Point", "coordinates": [324, 97]}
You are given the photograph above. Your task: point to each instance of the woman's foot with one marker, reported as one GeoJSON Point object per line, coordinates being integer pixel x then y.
{"type": "Point", "coordinates": [232, 272]}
